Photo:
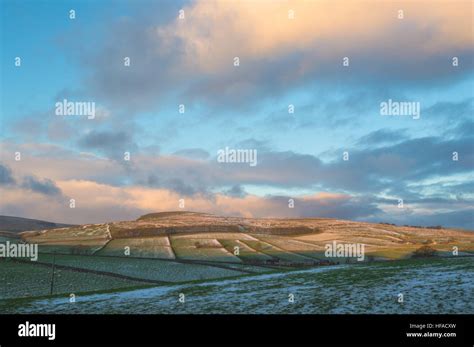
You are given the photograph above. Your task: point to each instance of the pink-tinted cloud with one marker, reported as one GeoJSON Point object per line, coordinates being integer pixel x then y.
{"type": "Point", "coordinates": [214, 32]}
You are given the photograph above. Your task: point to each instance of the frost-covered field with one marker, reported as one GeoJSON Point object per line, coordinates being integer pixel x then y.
{"type": "Point", "coordinates": [428, 286]}
{"type": "Point", "coordinates": [150, 269]}
{"type": "Point", "coordinates": [151, 247]}
{"type": "Point", "coordinates": [27, 280]}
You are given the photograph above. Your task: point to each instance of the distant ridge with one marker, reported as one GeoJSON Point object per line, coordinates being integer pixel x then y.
{"type": "Point", "coordinates": [19, 224]}
{"type": "Point", "coordinates": [157, 215]}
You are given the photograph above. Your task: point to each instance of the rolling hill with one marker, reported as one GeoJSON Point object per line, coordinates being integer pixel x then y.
{"type": "Point", "coordinates": [19, 224]}
{"type": "Point", "coordinates": [200, 236]}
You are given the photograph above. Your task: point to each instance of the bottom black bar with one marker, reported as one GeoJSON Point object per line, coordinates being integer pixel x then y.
{"type": "Point", "coordinates": [452, 330]}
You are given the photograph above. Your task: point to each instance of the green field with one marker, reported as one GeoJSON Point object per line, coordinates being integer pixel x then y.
{"type": "Point", "coordinates": [27, 279]}
{"type": "Point", "coordinates": [148, 269]}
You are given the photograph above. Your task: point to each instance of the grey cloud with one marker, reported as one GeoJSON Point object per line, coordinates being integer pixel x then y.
{"type": "Point", "coordinates": [179, 186]}
{"type": "Point", "coordinates": [454, 219]}
{"type": "Point", "coordinates": [455, 110]}
{"type": "Point", "coordinates": [353, 208]}
{"type": "Point", "coordinates": [111, 143]}
{"type": "Point", "coordinates": [6, 177]}
{"type": "Point", "coordinates": [45, 186]}
{"type": "Point", "coordinates": [344, 207]}
{"type": "Point", "coordinates": [410, 160]}
{"type": "Point", "coordinates": [104, 140]}
{"type": "Point", "coordinates": [382, 136]}
{"type": "Point", "coordinates": [463, 128]}
{"type": "Point", "coordinates": [368, 170]}
{"type": "Point", "coordinates": [236, 191]}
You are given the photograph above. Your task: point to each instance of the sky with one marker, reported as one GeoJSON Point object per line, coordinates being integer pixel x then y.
{"type": "Point", "coordinates": [333, 63]}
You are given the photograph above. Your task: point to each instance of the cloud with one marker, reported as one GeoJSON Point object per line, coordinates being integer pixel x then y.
{"type": "Point", "coordinates": [45, 186]}
{"type": "Point", "coordinates": [103, 140]}
{"type": "Point", "coordinates": [370, 170]}
{"type": "Point", "coordinates": [277, 54]}
{"type": "Point", "coordinates": [157, 184]}
{"type": "Point", "coordinates": [459, 110]}
{"type": "Point", "coordinates": [6, 177]}
{"type": "Point", "coordinates": [95, 208]}
{"type": "Point", "coordinates": [213, 32]}
{"type": "Point", "coordinates": [42, 186]}
{"type": "Point", "coordinates": [102, 203]}
{"type": "Point", "coordinates": [192, 59]}
{"type": "Point", "coordinates": [96, 203]}
{"type": "Point", "coordinates": [236, 191]}
{"type": "Point", "coordinates": [382, 136]}
{"type": "Point", "coordinates": [111, 143]}
{"type": "Point", "coordinates": [460, 219]}
{"type": "Point", "coordinates": [453, 219]}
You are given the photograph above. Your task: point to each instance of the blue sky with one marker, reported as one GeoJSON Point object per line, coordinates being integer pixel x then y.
{"type": "Point", "coordinates": [283, 61]}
